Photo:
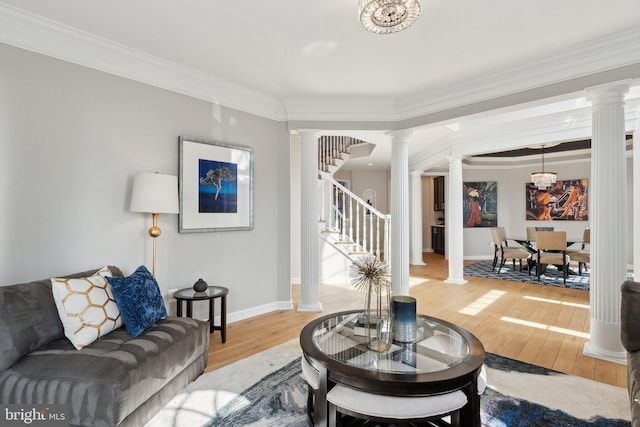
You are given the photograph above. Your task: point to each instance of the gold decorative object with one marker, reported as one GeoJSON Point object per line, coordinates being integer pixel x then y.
{"type": "Point", "coordinates": [371, 276]}
{"type": "Point", "coordinates": [155, 193]}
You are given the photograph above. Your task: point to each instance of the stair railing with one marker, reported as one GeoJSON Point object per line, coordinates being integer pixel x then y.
{"type": "Point", "coordinates": [357, 224]}
{"type": "Point", "coordinates": [332, 147]}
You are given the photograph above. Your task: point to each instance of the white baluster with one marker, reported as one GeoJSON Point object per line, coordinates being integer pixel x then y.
{"type": "Point", "coordinates": [370, 249]}
{"type": "Point", "coordinates": [342, 213]}
{"type": "Point", "coordinates": [330, 200]}
{"type": "Point", "coordinates": [358, 223]}
{"type": "Point", "coordinates": [378, 237]}
{"type": "Point", "coordinates": [364, 228]}
{"type": "Point", "coordinates": [350, 218]}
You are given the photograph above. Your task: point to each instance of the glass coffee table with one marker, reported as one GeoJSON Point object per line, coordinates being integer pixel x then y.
{"type": "Point", "coordinates": [444, 358]}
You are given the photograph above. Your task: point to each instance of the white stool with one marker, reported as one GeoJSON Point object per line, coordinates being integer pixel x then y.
{"type": "Point", "coordinates": [382, 408]}
{"type": "Point", "coordinates": [482, 380]}
{"type": "Point", "coordinates": [312, 377]}
{"type": "Point", "coordinates": [398, 409]}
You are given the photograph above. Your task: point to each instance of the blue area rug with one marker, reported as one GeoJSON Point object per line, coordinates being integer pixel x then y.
{"type": "Point", "coordinates": [279, 399]}
{"type": "Point", "coordinates": [552, 276]}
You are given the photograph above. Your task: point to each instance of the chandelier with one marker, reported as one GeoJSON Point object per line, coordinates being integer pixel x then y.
{"type": "Point", "coordinates": [388, 16]}
{"type": "Point", "coordinates": [543, 179]}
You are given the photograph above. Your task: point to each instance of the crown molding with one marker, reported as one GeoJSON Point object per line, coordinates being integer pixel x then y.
{"type": "Point", "coordinates": [603, 55]}
{"type": "Point", "coordinates": [598, 56]}
{"type": "Point", "coordinates": [31, 32]}
{"type": "Point", "coordinates": [341, 109]}
{"type": "Point", "coordinates": [37, 34]}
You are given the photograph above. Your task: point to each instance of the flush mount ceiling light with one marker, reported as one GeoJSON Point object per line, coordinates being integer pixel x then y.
{"type": "Point", "coordinates": [388, 16]}
{"type": "Point", "coordinates": [543, 179]}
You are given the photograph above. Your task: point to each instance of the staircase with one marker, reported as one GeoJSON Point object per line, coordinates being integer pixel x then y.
{"type": "Point", "coordinates": [348, 223]}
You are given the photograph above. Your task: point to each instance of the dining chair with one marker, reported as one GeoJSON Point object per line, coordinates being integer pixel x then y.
{"type": "Point", "coordinates": [531, 234]}
{"type": "Point", "coordinates": [503, 251]}
{"type": "Point", "coordinates": [552, 249]}
{"type": "Point", "coordinates": [583, 255]}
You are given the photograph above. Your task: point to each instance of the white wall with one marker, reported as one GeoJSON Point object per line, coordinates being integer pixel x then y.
{"type": "Point", "coordinates": [71, 141]}
{"type": "Point", "coordinates": [512, 205]}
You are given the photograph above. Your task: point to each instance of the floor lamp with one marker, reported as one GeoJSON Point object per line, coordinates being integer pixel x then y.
{"type": "Point", "coordinates": [155, 193]}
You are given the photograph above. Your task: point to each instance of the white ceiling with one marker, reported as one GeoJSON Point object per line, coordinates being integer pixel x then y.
{"type": "Point", "coordinates": [305, 52]}
{"type": "Point", "coordinates": [301, 48]}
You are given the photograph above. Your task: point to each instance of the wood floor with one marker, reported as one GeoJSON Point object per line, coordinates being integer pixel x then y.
{"type": "Point", "coordinates": [538, 324]}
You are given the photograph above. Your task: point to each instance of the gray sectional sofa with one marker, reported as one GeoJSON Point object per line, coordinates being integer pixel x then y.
{"type": "Point", "coordinates": [116, 380]}
{"type": "Point", "coordinates": [630, 335]}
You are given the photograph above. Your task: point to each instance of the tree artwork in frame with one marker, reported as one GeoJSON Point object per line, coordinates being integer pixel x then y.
{"type": "Point", "coordinates": [216, 186]}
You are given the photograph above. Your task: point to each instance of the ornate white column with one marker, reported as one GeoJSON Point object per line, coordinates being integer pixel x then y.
{"type": "Point", "coordinates": [400, 211]}
{"type": "Point", "coordinates": [415, 202]}
{"type": "Point", "coordinates": [310, 245]}
{"type": "Point", "coordinates": [455, 238]}
{"type": "Point", "coordinates": [607, 215]}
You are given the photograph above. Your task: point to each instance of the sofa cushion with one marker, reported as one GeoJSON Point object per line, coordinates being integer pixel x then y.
{"type": "Point", "coordinates": [630, 315]}
{"type": "Point", "coordinates": [139, 300]}
{"type": "Point", "coordinates": [86, 306]}
{"type": "Point", "coordinates": [108, 379]}
{"type": "Point", "coordinates": [29, 318]}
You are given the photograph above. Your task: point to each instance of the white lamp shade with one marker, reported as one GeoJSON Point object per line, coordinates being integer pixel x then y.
{"type": "Point", "coordinates": [155, 193]}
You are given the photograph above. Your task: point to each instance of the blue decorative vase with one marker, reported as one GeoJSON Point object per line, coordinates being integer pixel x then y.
{"type": "Point", "coordinates": [404, 319]}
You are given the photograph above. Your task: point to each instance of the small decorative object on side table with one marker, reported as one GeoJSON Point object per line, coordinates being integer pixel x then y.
{"type": "Point", "coordinates": [210, 293]}
{"type": "Point", "coordinates": [200, 285]}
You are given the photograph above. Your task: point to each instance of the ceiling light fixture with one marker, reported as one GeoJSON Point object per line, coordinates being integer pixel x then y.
{"type": "Point", "coordinates": [388, 16]}
{"type": "Point", "coordinates": [543, 179]}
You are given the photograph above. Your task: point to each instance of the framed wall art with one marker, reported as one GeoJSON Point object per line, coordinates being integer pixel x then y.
{"type": "Point", "coordinates": [480, 204]}
{"type": "Point", "coordinates": [216, 186]}
{"type": "Point", "coordinates": [564, 201]}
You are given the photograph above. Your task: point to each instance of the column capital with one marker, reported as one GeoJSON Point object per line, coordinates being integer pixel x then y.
{"type": "Point", "coordinates": [401, 135]}
{"type": "Point", "coordinates": [308, 134]}
{"type": "Point", "coordinates": [608, 93]}
{"type": "Point", "coordinates": [454, 159]}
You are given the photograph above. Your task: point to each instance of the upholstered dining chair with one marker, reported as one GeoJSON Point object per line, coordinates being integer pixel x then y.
{"type": "Point", "coordinates": [552, 249]}
{"type": "Point", "coordinates": [583, 255]}
{"type": "Point", "coordinates": [503, 251]}
{"type": "Point", "coordinates": [531, 234]}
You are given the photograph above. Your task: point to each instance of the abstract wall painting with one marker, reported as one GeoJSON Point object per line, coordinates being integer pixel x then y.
{"type": "Point", "coordinates": [564, 201]}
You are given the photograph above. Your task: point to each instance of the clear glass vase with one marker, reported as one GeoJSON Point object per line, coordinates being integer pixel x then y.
{"type": "Point", "coordinates": [378, 318]}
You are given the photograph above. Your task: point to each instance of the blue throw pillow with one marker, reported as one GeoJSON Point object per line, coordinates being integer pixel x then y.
{"type": "Point", "coordinates": [139, 300]}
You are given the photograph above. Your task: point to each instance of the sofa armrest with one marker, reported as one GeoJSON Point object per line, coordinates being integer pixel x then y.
{"type": "Point", "coordinates": [630, 316]}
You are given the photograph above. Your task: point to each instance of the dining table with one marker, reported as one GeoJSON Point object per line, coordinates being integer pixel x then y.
{"type": "Point", "coordinates": [530, 245]}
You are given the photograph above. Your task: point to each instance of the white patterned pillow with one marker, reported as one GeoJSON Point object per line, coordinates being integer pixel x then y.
{"type": "Point", "coordinates": [86, 307]}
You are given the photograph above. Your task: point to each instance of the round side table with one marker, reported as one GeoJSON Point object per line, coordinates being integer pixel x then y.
{"type": "Point", "coordinates": [210, 294]}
